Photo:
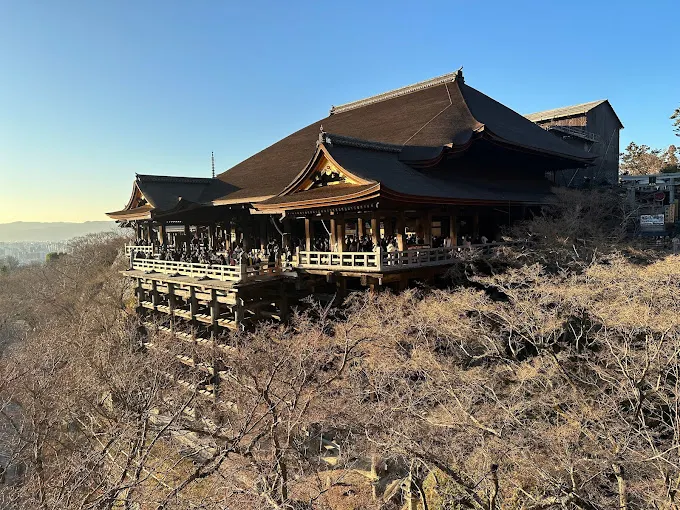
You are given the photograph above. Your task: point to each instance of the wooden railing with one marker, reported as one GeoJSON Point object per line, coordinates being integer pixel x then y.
{"type": "Point", "coordinates": [365, 261]}
{"type": "Point", "coordinates": [382, 260]}
{"type": "Point", "coordinates": [235, 273]}
{"type": "Point", "coordinates": [129, 248]}
{"type": "Point", "coordinates": [417, 257]}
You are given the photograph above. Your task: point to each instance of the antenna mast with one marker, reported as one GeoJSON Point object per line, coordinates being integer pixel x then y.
{"type": "Point", "coordinates": [212, 157]}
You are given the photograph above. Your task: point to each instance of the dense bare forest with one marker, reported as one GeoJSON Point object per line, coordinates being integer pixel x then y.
{"type": "Point", "coordinates": [544, 377]}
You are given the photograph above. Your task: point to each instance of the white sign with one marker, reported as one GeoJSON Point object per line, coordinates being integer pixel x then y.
{"type": "Point", "coordinates": [652, 220]}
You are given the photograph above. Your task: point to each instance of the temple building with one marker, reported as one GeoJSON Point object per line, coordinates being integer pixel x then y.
{"type": "Point", "coordinates": [593, 127]}
{"type": "Point", "coordinates": [383, 190]}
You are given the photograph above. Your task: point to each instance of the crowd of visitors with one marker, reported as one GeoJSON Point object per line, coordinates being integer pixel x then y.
{"type": "Point", "coordinates": [390, 244]}
{"type": "Point", "coordinates": [200, 252]}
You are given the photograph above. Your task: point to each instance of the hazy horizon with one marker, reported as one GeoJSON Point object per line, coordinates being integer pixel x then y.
{"type": "Point", "coordinates": [49, 231]}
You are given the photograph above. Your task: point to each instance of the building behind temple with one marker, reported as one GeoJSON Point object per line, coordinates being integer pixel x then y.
{"type": "Point", "coordinates": [593, 127]}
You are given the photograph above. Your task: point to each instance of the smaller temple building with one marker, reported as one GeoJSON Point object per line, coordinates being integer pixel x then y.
{"type": "Point", "coordinates": [593, 127]}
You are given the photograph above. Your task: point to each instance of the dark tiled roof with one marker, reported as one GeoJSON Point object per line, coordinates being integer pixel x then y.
{"type": "Point", "coordinates": [446, 112]}
{"type": "Point", "coordinates": [400, 181]}
{"type": "Point", "coordinates": [164, 192]}
{"type": "Point", "coordinates": [390, 172]}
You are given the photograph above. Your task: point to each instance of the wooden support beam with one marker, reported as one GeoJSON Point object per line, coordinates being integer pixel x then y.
{"type": "Point", "coordinates": [287, 233]}
{"type": "Point", "coordinates": [263, 232]}
{"type": "Point", "coordinates": [342, 245]}
{"type": "Point", "coordinates": [214, 312]}
{"type": "Point", "coordinates": [239, 311]}
{"type": "Point", "coordinates": [154, 294]}
{"type": "Point", "coordinates": [453, 229]}
{"type": "Point", "coordinates": [401, 232]}
{"type": "Point", "coordinates": [212, 236]}
{"type": "Point", "coordinates": [360, 227]}
{"type": "Point", "coordinates": [140, 294]}
{"type": "Point", "coordinates": [162, 234]}
{"type": "Point", "coordinates": [334, 230]}
{"type": "Point", "coordinates": [193, 303]}
{"type": "Point", "coordinates": [309, 234]}
{"type": "Point", "coordinates": [375, 229]}
{"type": "Point", "coordinates": [427, 227]}
{"type": "Point", "coordinates": [171, 304]}
{"type": "Point", "coordinates": [187, 239]}
{"type": "Point", "coordinates": [341, 288]}
{"type": "Point", "coordinates": [227, 234]}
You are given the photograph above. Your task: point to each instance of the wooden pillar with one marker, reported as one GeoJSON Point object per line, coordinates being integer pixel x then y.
{"type": "Point", "coordinates": [211, 236]}
{"type": "Point", "coordinates": [401, 232]}
{"type": "Point", "coordinates": [163, 234]}
{"type": "Point", "coordinates": [453, 229]}
{"type": "Point", "coordinates": [287, 233]}
{"type": "Point", "coordinates": [334, 230]}
{"type": "Point", "coordinates": [309, 234]}
{"type": "Point", "coordinates": [138, 230]}
{"type": "Point", "coordinates": [227, 234]}
{"type": "Point", "coordinates": [341, 234]}
{"type": "Point", "coordinates": [239, 311]}
{"type": "Point", "coordinates": [427, 227]}
{"type": "Point", "coordinates": [193, 303]}
{"type": "Point", "coordinates": [375, 229]}
{"type": "Point", "coordinates": [341, 288]}
{"type": "Point", "coordinates": [187, 238]}
{"type": "Point", "coordinates": [171, 304]}
{"type": "Point", "coordinates": [140, 295]}
{"type": "Point", "coordinates": [214, 313]}
{"type": "Point", "coordinates": [360, 227]}
{"type": "Point", "coordinates": [154, 294]}
{"type": "Point", "coordinates": [263, 232]}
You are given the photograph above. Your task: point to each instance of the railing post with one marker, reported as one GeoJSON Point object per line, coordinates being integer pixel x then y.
{"type": "Point", "coordinates": [193, 303]}
{"type": "Point", "coordinates": [243, 269]}
{"type": "Point", "coordinates": [379, 260]}
{"type": "Point", "coordinates": [171, 304]}
{"type": "Point", "coordinates": [214, 313]}
{"type": "Point", "coordinates": [154, 294]}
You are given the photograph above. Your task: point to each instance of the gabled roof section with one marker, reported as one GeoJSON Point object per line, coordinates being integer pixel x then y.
{"type": "Point", "coordinates": [441, 112]}
{"type": "Point", "coordinates": [153, 194]}
{"type": "Point", "coordinates": [164, 192]}
{"type": "Point", "coordinates": [381, 173]}
{"type": "Point", "coordinates": [570, 111]}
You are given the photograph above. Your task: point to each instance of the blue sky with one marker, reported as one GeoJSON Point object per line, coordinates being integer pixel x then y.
{"type": "Point", "coordinates": [92, 92]}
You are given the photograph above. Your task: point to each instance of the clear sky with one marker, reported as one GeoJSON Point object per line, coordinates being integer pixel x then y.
{"type": "Point", "coordinates": [93, 91]}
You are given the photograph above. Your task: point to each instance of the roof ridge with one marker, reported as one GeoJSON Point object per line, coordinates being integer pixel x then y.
{"type": "Point", "coordinates": [391, 94]}
{"type": "Point", "coordinates": [349, 141]}
{"type": "Point", "coordinates": [174, 178]}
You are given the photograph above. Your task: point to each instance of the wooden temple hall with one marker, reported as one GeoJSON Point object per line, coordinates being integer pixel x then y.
{"type": "Point", "coordinates": [382, 191]}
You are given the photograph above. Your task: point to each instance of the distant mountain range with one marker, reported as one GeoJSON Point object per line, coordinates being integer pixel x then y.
{"type": "Point", "coordinates": [28, 231]}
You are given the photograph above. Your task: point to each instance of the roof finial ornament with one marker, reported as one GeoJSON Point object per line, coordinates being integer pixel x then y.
{"type": "Point", "coordinates": [322, 136]}
{"type": "Point", "coordinates": [459, 75]}
{"type": "Point", "coordinates": [212, 158]}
